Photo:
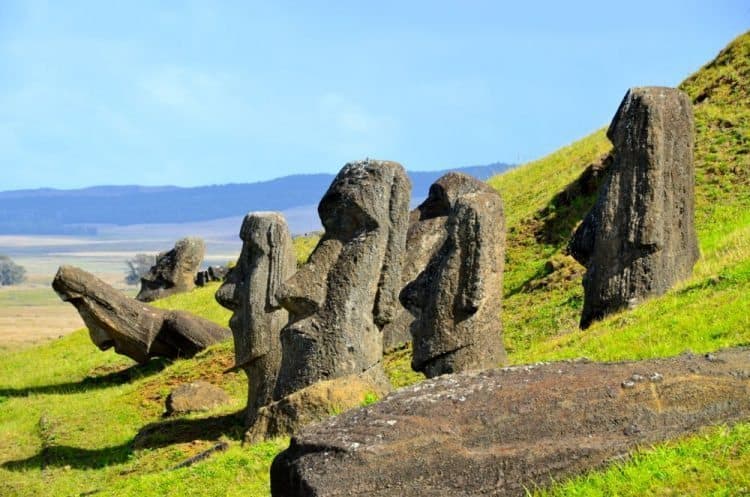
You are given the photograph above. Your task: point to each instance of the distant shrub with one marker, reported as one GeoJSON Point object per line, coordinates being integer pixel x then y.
{"type": "Point", "coordinates": [10, 272]}
{"type": "Point", "coordinates": [137, 267]}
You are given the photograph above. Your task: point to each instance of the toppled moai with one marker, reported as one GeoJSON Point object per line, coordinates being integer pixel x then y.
{"type": "Point", "coordinates": [342, 297]}
{"type": "Point", "coordinates": [504, 432]}
{"type": "Point", "coordinates": [174, 271]}
{"type": "Point", "coordinates": [133, 328]}
{"type": "Point", "coordinates": [266, 260]}
{"type": "Point", "coordinates": [639, 239]}
{"type": "Point", "coordinates": [425, 236]}
{"type": "Point", "coordinates": [456, 300]}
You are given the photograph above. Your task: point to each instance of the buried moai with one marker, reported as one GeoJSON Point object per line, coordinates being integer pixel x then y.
{"type": "Point", "coordinates": [174, 271]}
{"type": "Point", "coordinates": [456, 300]}
{"type": "Point", "coordinates": [266, 260]}
{"type": "Point", "coordinates": [133, 328]}
{"type": "Point", "coordinates": [425, 236]}
{"type": "Point", "coordinates": [639, 239]}
{"type": "Point", "coordinates": [341, 298]}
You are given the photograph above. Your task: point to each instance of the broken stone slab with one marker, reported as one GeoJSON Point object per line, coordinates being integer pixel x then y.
{"type": "Point", "coordinates": [457, 298]}
{"type": "Point", "coordinates": [499, 432]}
{"type": "Point", "coordinates": [339, 301]}
{"type": "Point", "coordinates": [316, 402]}
{"type": "Point", "coordinates": [266, 261]}
{"type": "Point", "coordinates": [195, 396]}
{"type": "Point", "coordinates": [425, 236]}
{"type": "Point", "coordinates": [639, 239]}
{"type": "Point", "coordinates": [174, 271]}
{"type": "Point", "coordinates": [133, 328]}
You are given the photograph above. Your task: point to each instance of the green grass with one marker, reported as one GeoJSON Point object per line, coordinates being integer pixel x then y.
{"type": "Point", "coordinates": [70, 415]}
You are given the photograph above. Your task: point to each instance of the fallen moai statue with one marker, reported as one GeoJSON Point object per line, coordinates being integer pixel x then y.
{"type": "Point", "coordinates": [174, 271]}
{"type": "Point", "coordinates": [425, 236]}
{"type": "Point", "coordinates": [266, 260]}
{"type": "Point", "coordinates": [133, 328]}
{"type": "Point", "coordinates": [456, 299]}
{"type": "Point", "coordinates": [498, 432]}
{"type": "Point", "coordinates": [640, 238]}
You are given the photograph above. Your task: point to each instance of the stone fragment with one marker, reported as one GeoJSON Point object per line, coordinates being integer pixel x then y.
{"type": "Point", "coordinates": [456, 299]}
{"type": "Point", "coordinates": [196, 396]}
{"type": "Point", "coordinates": [500, 432]}
{"type": "Point", "coordinates": [347, 291]}
{"type": "Point", "coordinates": [266, 261]}
{"type": "Point", "coordinates": [133, 328]}
{"type": "Point", "coordinates": [425, 236]}
{"type": "Point", "coordinates": [639, 239]}
{"type": "Point", "coordinates": [174, 271]}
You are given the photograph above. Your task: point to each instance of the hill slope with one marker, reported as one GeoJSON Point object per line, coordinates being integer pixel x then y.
{"type": "Point", "coordinates": [72, 418]}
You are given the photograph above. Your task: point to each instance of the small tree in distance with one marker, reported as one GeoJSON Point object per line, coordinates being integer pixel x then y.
{"type": "Point", "coordinates": [138, 267]}
{"type": "Point", "coordinates": [10, 272]}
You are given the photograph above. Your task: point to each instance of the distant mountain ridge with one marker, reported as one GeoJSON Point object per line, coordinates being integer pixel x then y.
{"type": "Point", "coordinates": [77, 212]}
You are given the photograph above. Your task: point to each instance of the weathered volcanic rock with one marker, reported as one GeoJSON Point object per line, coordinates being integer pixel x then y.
{"type": "Point", "coordinates": [174, 271]}
{"type": "Point", "coordinates": [639, 239]}
{"type": "Point", "coordinates": [133, 328]}
{"type": "Point", "coordinates": [347, 291]}
{"type": "Point", "coordinates": [213, 273]}
{"type": "Point", "coordinates": [266, 260]}
{"type": "Point", "coordinates": [498, 432]}
{"type": "Point", "coordinates": [195, 396]}
{"type": "Point", "coordinates": [457, 299]}
{"type": "Point", "coordinates": [425, 236]}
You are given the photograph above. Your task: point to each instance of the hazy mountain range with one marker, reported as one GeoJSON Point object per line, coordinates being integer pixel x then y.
{"type": "Point", "coordinates": [84, 211]}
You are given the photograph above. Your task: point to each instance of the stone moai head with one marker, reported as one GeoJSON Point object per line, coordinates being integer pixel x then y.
{"type": "Point", "coordinates": [340, 299]}
{"type": "Point", "coordinates": [266, 260]}
{"type": "Point", "coordinates": [456, 300]}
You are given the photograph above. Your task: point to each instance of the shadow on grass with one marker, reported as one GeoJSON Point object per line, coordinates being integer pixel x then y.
{"type": "Point", "coordinates": [151, 436]}
{"type": "Point", "coordinates": [92, 382]}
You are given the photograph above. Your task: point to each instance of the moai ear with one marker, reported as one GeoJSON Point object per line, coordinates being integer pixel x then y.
{"type": "Point", "coordinates": [275, 264]}
{"type": "Point", "coordinates": [467, 228]}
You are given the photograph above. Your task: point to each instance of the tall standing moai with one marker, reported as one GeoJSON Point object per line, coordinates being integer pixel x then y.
{"type": "Point", "coordinates": [266, 260]}
{"type": "Point", "coordinates": [425, 236]}
{"type": "Point", "coordinates": [639, 239]}
{"type": "Point", "coordinates": [456, 300]}
{"type": "Point", "coordinates": [339, 301]}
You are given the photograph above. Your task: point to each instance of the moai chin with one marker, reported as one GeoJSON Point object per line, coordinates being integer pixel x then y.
{"type": "Point", "coordinates": [341, 298]}
{"type": "Point", "coordinates": [266, 260]}
{"type": "Point", "coordinates": [639, 239]}
{"type": "Point", "coordinates": [457, 299]}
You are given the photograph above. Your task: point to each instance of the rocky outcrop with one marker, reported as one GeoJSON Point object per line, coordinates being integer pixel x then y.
{"type": "Point", "coordinates": [174, 271]}
{"type": "Point", "coordinates": [133, 328]}
{"type": "Point", "coordinates": [639, 239]}
{"type": "Point", "coordinates": [498, 432]}
{"type": "Point", "coordinates": [266, 260]}
{"type": "Point", "coordinates": [457, 299]}
{"type": "Point", "coordinates": [425, 236]}
{"type": "Point", "coordinates": [347, 291]}
{"type": "Point", "coordinates": [194, 397]}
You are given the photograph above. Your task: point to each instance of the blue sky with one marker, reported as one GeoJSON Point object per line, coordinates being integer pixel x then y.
{"type": "Point", "coordinates": [191, 93]}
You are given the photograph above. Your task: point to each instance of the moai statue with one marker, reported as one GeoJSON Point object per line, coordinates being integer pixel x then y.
{"type": "Point", "coordinates": [425, 236]}
{"type": "Point", "coordinates": [341, 298]}
{"type": "Point", "coordinates": [639, 239]}
{"type": "Point", "coordinates": [456, 300]}
{"type": "Point", "coordinates": [133, 328]}
{"type": "Point", "coordinates": [266, 260]}
{"type": "Point", "coordinates": [174, 271]}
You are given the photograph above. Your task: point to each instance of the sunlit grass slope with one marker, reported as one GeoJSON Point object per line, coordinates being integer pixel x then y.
{"type": "Point", "coordinates": [77, 421]}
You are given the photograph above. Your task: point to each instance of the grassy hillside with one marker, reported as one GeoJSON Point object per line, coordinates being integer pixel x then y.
{"type": "Point", "coordinates": [76, 421]}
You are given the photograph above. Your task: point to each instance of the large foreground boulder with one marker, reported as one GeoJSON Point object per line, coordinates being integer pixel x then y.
{"type": "Point", "coordinates": [456, 299]}
{"type": "Point", "coordinates": [640, 239]}
{"type": "Point", "coordinates": [498, 432]}
{"type": "Point", "coordinates": [266, 260]}
{"type": "Point", "coordinates": [174, 271]}
{"type": "Point", "coordinates": [424, 238]}
{"type": "Point", "coordinates": [133, 328]}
